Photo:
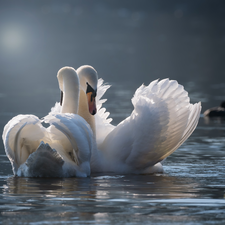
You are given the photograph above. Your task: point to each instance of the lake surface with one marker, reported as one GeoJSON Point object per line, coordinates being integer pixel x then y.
{"type": "Point", "coordinates": [129, 43]}
{"type": "Point", "coordinates": [190, 191]}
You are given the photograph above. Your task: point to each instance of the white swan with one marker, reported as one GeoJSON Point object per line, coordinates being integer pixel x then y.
{"type": "Point", "coordinates": [69, 139]}
{"type": "Point", "coordinates": [161, 121]}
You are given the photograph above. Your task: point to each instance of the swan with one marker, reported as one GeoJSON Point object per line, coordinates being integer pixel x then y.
{"type": "Point", "coordinates": [61, 150]}
{"type": "Point", "coordinates": [162, 120]}
{"type": "Point", "coordinates": [216, 111]}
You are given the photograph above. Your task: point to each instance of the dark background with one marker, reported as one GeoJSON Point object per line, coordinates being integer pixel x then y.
{"type": "Point", "coordinates": [129, 42]}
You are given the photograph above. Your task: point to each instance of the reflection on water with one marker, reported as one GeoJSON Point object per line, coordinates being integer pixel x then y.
{"type": "Point", "coordinates": [155, 186]}
{"type": "Point", "coordinates": [97, 198]}
{"type": "Point", "coordinates": [113, 198]}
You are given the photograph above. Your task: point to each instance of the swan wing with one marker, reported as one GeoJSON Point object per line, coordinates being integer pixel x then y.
{"type": "Point", "coordinates": [102, 122]}
{"type": "Point", "coordinates": [80, 136]}
{"type": "Point", "coordinates": [161, 121]}
{"type": "Point", "coordinates": [21, 136]}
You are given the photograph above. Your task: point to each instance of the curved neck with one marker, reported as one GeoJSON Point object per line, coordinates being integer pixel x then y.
{"type": "Point", "coordinates": [84, 112]}
{"type": "Point", "coordinates": [82, 80]}
{"type": "Point", "coordinates": [70, 101]}
{"type": "Point", "coordinates": [87, 74]}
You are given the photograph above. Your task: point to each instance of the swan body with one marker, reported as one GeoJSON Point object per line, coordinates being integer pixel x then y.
{"type": "Point", "coordinates": [61, 150]}
{"type": "Point", "coordinates": [216, 111]}
{"type": "Point", "coordinates": [161, 121]}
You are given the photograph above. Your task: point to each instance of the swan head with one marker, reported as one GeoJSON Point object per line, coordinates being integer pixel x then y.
{"type": "Point", "coordinates": [69, 86]}
{"type": "Point", "coordinates": [88, 78]}
{"type": "Point", "coordinates": [222, 105]}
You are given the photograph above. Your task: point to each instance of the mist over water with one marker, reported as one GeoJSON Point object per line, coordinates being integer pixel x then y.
{"type": "Point", "coordinates": [128, 43]}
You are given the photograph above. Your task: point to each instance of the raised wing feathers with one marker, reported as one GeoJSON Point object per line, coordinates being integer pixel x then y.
{"type": "Point", "coordinates": [19, 141]}
{"type": "Point", "coordinates": [103, 123]}
{"type": "Point", "coordinates": [161, 121]}
{"type": "Point", "coordinates": [23, 134]}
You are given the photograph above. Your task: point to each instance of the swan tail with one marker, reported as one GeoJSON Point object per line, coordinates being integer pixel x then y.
{"type": "Point", "coordinates": [161, 121]}
{"type": "Point", "coordinates": [21, 136]}
{"type": "Point", "coordinates": [103, 123]}
{"type": "Point", "coordinates": [44, 162]}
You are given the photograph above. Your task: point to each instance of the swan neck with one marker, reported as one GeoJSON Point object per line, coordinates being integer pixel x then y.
{"type": "Point", "coordinates": [84, 111]}
{"type": "Point", "coordinates": [70, 95]}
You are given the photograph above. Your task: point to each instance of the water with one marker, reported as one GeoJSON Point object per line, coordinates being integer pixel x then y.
{"type": "Point", "coordinates": [128, 43]}
{"type": "Point", "coordinates": [190, 191]}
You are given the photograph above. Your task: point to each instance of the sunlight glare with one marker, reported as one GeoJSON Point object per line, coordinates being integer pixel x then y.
{"type": "Point", "coordinates": [13, 38]}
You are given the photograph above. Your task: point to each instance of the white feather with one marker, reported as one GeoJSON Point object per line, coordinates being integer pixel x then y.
{"type": "Point", "coordinates": [61, 150]}
{"type": "Point", "coordinates": [72, 138]}
{"type": "Point", "coordinates": [103, 123]}
{"type": "Point", "coordinates": [161, 121]}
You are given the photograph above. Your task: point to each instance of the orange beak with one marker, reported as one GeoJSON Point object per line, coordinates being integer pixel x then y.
{"type": "Point", "coordinates": [91, 103]}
